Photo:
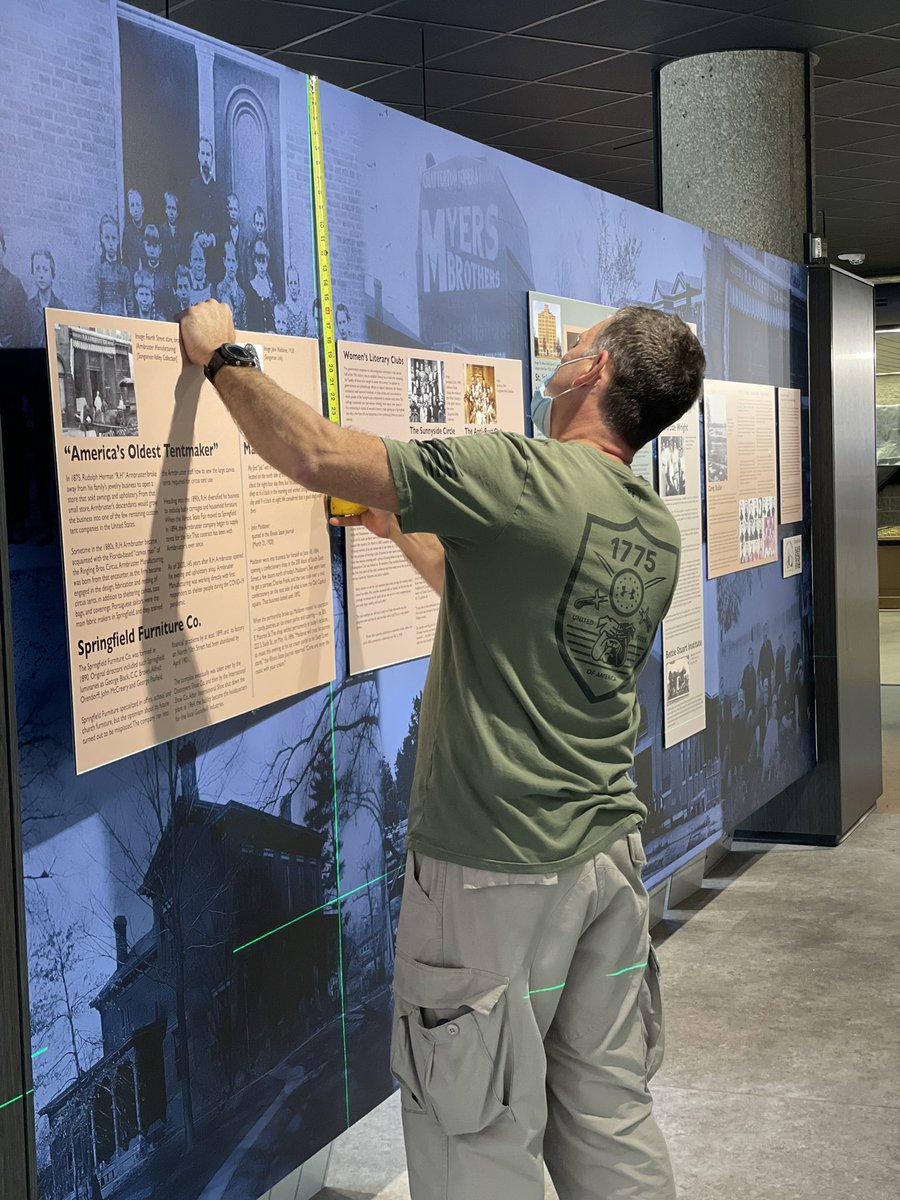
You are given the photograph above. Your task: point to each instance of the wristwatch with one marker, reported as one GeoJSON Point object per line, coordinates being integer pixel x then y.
{"type": "Point", "coordinates": [230, 354]}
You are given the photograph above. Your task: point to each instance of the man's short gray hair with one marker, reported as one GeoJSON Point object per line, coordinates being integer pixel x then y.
{"type": "Point", "coordinates": [658, 366]}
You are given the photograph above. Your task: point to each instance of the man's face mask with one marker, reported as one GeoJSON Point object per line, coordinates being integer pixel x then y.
{"type": "Point", "coordinates": [541, 403]}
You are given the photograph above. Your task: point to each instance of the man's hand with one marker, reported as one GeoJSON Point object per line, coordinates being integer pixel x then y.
{"type": "Point", "coordinates": [379, 521]}
{"type": "Point", "coordinates": [204, 327]}
{"type": "Point", "coordinates": [422, 550]}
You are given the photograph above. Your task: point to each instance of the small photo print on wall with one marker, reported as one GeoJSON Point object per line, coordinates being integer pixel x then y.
{"type": "Point", "coordinates": [758, 529]}
{"type": "Point", "coordinates": [546, 324]}
{"type": "Point", "coordinates": [678, 680]}
{"type": "Point", "coordinates": [716, 439]}
{"type": "Point", "coordinates": [96, 382]}
{"type": "Point", "coordinates": [671, 466]}
{"type": "Point", "coordinates": [572, 334]}
{"type": "Point", "coordinates": [427, 404]}
{"type": "Point", "coordinates": [792, 557]}
{"type": "Point", "coordinates": [480, 397]}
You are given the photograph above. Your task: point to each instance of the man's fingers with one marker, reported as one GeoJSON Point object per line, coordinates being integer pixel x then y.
{"type": "Point", "coordinates": [344, 522]}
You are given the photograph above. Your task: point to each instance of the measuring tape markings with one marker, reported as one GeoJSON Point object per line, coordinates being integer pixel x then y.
{"type": "Point", "coordinates": [336, 508]}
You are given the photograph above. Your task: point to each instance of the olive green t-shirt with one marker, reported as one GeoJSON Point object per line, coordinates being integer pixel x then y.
{"type": "Point", "coordinates": [560, 564]}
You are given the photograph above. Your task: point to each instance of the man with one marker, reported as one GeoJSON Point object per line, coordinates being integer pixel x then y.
{"type": "Point", "coordinates": [527, 1009]}
{"type": "Point", "coordinates": [748, 681]}
{"type": "Point", "coordinates": [160, 279]}
{"type": "Point", "coordinates": [342, 323]}
{"type": "Point", "coordinates": [170, 235]}
{"type": "Point", "coordinates": [765, 668]}
{"type": "Point", "coordinates": [133, 237]}
{"type": "Point", "coordinates": [43, 273]}
{"type": "Point", "coordinates": [13, 325]}
{"type": "Point", "coordinates": [234, 232]}
{"type": "Point", "coordinates": [205, 200]}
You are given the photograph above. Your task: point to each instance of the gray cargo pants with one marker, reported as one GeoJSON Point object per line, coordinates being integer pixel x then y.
{"type": "Point", "coordinates": [527, 1023]}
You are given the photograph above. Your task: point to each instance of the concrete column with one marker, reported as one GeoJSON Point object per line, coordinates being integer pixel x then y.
{"type": "Point", "coordinates": [735, 147]}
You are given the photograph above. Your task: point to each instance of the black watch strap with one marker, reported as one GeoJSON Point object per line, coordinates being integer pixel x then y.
{"type": "Point", "coordinates": [230, 354]}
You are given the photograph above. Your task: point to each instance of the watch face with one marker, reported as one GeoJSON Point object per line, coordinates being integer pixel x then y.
{"type": "Point", "coordinates": [236, 351]}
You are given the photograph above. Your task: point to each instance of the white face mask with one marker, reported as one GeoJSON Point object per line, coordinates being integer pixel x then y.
{"type": "Point", "coordinates": [541, 403]}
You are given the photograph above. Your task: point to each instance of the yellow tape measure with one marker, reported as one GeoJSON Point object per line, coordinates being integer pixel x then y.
{"type": "Point", "coordinates": [336, 508]}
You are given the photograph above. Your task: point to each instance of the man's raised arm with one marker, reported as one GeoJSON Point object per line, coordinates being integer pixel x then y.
{"type": "Point", "coordinates": [290, 435]}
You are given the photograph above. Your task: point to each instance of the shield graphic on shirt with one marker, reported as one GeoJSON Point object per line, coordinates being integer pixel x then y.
{"type": "Point", "coordinates": [616, 593]}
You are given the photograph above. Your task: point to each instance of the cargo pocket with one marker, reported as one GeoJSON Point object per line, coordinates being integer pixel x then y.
{"type": "Point", "coordinates": [651, 1010]}
{"type": "Point", "coordinates": [450, 1043]}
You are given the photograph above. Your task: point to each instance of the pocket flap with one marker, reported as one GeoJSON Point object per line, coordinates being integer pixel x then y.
{"type": "Point", "coordinates": [447, 987]}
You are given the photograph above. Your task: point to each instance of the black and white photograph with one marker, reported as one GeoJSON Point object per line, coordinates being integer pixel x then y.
{"type": "Point", "coordinates": [678, 680]}
{"type": "Point", "coordinates": [671, 465]}
{"type": "Point", "coordinates": [769, 527]}
{"type": "Point", "coordinates": [427, 403]}
{"type": "Point", "coordinates": [747, 526]}
{"type": "Point", "coordinates": [96, 382]}
{"type": "Point", "coordinates": [716, 439]}
{"type": "Point", "coordinates": [480, 396]}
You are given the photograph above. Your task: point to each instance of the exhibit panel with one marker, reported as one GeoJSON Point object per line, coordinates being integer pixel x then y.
{"type": "Point", "coordinates": [392, 392]}
{"type": "Point", "coordinates": [210, 922]}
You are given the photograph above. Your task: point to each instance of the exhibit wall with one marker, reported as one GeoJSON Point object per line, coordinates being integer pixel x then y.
{"type": "Point", "coordinates": [210, 923]}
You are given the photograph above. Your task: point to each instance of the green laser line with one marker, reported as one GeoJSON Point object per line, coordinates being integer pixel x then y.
{"type": "Point", "coordinates": [38, 1053]}
{"type": "Point", "coordinates": [337, 868]}
{"type": "Point", "coordinates": [537, 991]}
{"type": "Point", "coordinates": [16, 1099]}
{"type": "Point", "coordinates": [293, 921]}
{"type": "Point", "coordinates": [636, 967]}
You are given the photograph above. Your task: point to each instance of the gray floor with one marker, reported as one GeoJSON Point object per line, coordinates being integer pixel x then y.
{"type": "Point", "coordinates": [782, 1079]}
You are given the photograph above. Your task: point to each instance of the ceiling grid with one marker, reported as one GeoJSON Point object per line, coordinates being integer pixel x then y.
{"type": "Point", "coordinates": [569, 85]}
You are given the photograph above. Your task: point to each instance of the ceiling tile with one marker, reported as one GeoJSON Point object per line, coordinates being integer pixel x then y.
{"type": "Point", "coordinates": [753, 33]}
{"type": "Point", "coordinates": [401, 87]}
{"type": "Point", "coordinates": [342, 72]}
{"type": "Point", "coordinates": [641, 147]}
{"type": "Point", "coordinates": [539, 100]}
{"type": "Point", "coordinates": [627, 73]}
{"type": "Point", "coordinates": [854, 57]}
{"type": "Point", "coordinates": [837, 132]}
{"type": "Point", "coordinates": [860, 16]}
{"type": "Point", "coordinates": [476, 14]}
{"type": "Point", "coordinates": [523, 57]}
{"type": "Point", "coordinates": [635, 110]}
{"type": "Point", "coordinates": [839, 162]}
{"type": "Point", "coordinates": [265, 23]}
{"type": "Point", "coordinates": [870, 190]}
{"type": "Point", "coordinates": [446, 89]}
{"type": "Point", "coordinates": [839, 187]}
{"type": "Point", "coordinates": [387, 39]}
{"type": "Point", "coordinates": [347, 6]}
{"type": "Point", "coordinates": [588, 164]}
{"type": "Point", "coordinates": [731, 7]}
{"type": "Point", "coordinates": [562, 135]}
{"type": "Point", "coordinates": [856, 210]}
{"type": "Point", "coordinates": [891, 77]}
{"type": "Point", "coordinates": [629, 24]}
{"type": "Point", "coordinates": [884, 170]}
{"type": "Point", "coordinates": [411, 110]}
{"type": "Point", "coordinates": [889, 115]}
{"type": "Point", "coordinates": [851, 96]}
{"type": "Point", "coordinates": [483, 127]}
{"type": "Point", "coordinates": [888, 144]}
